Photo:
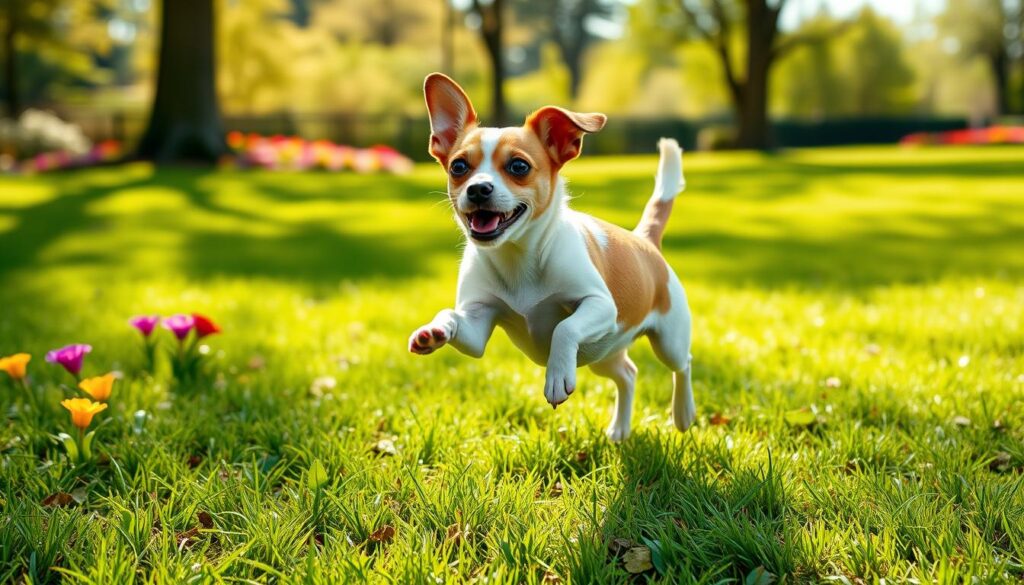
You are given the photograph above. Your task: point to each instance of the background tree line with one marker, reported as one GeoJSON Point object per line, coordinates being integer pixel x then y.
{"type": "Point", "coordinates": [738, 59]}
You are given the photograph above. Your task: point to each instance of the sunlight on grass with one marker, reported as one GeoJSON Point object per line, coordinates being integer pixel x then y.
{"type": "Point", "coordinates": [858, 355]}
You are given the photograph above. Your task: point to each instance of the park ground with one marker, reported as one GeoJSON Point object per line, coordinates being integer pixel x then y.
{"type": "Point", "coordinates": [858, 368]}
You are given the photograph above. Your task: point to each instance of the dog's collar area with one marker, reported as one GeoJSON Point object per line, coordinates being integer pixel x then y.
{"type": "Point", "coordinates": [486, 225]}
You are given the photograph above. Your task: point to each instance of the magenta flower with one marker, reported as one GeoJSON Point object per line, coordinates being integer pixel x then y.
{"type": "Point", "coordinates": [179, 325]}
{"type": "Point", "coordinates": [70, 357]}
{"type": "Point", "coordinates": [144, 323]}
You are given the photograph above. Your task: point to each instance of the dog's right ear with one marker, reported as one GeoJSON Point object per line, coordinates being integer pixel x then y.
{"type": "Point", "coordinates": [450, 113]}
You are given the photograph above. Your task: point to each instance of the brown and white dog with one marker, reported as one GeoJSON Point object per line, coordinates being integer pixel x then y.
{"type": "Point", "coordinates": [569, 289]}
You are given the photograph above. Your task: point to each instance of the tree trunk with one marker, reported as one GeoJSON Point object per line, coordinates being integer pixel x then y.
{"type": "Point", "coordinates": [11, 64]}
{"type": "Point", "coordinates": [185, 123]}
{"type": "Point", "coordinates": [491, 24]}
{"type": "Point", "coordinates": [752, 110]}
{"type": "Point", "coordinates": [999, 62]}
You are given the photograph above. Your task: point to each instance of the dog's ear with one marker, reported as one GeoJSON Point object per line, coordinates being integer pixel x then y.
{"type": "Point", "coordinates": [561, 131]}
{"type": "Point", "coordinates": [450, 113]}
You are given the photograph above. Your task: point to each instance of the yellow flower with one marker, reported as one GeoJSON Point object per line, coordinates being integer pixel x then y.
{"type": "Point", "coordinates": [15, 364]}
{"type": "Point", "coordinates": [82, 410]}
{"type": "Point", "coordinates": [98, 387]}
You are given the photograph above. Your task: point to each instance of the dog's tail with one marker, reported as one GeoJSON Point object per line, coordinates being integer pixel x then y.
{"type": "Point", "coordinates": [668, 183]}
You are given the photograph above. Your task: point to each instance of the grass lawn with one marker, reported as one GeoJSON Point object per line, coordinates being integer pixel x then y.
{"type": "Point", "coordinates": [859, 374]}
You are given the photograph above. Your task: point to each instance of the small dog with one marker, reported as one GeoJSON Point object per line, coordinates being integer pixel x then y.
{"type": "Point", "coordinates": [568, 289]}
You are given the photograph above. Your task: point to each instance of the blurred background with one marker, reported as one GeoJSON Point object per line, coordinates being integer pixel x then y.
{"type": "Point", "coordinates": [754, 74]}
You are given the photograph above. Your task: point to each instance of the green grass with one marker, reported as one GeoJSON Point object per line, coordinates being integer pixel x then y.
{"type": "Point", "coordinates": [880, 289]}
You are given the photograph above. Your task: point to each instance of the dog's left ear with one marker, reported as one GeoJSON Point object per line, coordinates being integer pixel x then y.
{"type": "Point", "coordinates": [562, 131]}
{"type": "Point", "coordinates": [450, 113]}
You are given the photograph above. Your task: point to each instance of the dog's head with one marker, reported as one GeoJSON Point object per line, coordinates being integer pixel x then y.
{"type": "Point", "coordinates": [500, 179]}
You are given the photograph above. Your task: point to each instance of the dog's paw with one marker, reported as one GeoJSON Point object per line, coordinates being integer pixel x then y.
{"type": "Point", "coordinates": [616, 432]}
{"type": "Point", "coordinates": [559, 383]}
{"type": "Point", "coordinates": [428, 339]}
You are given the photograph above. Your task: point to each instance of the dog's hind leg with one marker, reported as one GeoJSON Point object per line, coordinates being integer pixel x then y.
{"type": "Point", "coordinates": [621, 370]}
{"type": "Point", "coordinates": [670, 339]}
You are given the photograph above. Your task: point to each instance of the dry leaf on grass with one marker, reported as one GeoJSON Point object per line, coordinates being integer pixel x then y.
{"type": "Point", "coordinates": [384, 534]}
{"type": "Point", "coordinates": [638, 560]}
{"type": "Point", "coordinates": [718, 419]}
{"type": "Point", "coordinates": [618, 546]}
{"type": "Point", "coordinates": [205, 520]}
{"type": "Point", "coordinates": [58, 500]}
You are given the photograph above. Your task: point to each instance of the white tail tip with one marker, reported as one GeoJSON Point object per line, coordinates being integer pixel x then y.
{"type": "Point", "coordinates": [669, 181]}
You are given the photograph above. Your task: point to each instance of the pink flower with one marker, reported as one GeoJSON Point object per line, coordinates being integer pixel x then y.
{"type": "Point", "coordinates": [70, 357]}
{"type": "Point", "coordinates": [179, 325]}
{"type": "Point", "coordinates": [144, 323]}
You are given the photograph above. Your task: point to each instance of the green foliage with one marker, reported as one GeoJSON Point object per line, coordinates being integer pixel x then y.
{"type": "Point", "coordinates": [857, 285]}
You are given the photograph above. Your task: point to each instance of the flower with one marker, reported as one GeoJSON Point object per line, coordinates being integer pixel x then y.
{"type": "Point", "coordinates": [70, 357]}
{"type": "Point", "coordinates": [82, 410]}
{"type": "Point", "coordinates": [180, 325]}
{"type": "Point", "coordinates": [15, 364]}
{"type": "Point", "coordinates": [98, 387]}
{"type": "Point", "coordinates": [144, 323]}
{"type": "Point", "coordinates": [204, 326]}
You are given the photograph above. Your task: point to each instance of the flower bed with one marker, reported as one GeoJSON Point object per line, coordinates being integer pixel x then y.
{"type": "Point", "coordinates": [992, 135]}
{"type": "Point", "coordinates": [294, 153]}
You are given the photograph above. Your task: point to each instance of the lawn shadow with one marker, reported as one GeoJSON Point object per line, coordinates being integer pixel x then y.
{"type": "Point", "coordinates": [701, 511]}
{"type": "Point", "coordinates": [208, 238]}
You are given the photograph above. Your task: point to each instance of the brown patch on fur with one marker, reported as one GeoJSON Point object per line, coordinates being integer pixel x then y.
{"type": "Point", "coordinates": [655, 219]}
{"type": "Point", "coordinates": [633, 270]}
{"type": "Point", "coordinates": [539, 184]}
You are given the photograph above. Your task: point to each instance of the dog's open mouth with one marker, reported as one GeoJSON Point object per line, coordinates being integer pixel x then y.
{"type": "Point", "coordinates": [485, 224]}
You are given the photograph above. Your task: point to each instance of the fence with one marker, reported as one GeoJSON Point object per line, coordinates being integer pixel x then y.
{"type": "Point", "coordinates": [622, 135]}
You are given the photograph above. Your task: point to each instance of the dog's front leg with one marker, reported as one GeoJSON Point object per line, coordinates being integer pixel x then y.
{"type": "Point", "coordinates": [594, 318]}
{"type": "Point", "coordinates": [467, 329]}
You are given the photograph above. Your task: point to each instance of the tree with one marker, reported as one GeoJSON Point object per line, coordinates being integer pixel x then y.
{"type": "Point", "coordinates": [992, 30]}
{"type": "Point", "coordinates": [38, 41]}
{"type": "Point", "coordinates": [570, 20]}
{"type": "Point", "coordinates": [492, 23]}
{"type": "Point", "coordinates": [756, 24]}
{"type": "Point", "coordinates": [185, 123]}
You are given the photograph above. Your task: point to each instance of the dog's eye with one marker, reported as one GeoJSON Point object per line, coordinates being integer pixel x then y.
{"type": "Point", "coordinates": [518, 167]}
{"type": "Point", "coordinates": [458, 167]}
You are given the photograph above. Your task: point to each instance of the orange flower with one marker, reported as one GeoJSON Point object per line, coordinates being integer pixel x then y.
{"type": "Point", "coordinates": [15, 365]}
{"type": "Point", "coordinates": [98, 387]}
{"type": "Point", "coordinates": [82, 410]}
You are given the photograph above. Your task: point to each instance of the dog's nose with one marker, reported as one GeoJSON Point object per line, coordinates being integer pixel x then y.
{"type": "Point", "coordinates": [479, 192]}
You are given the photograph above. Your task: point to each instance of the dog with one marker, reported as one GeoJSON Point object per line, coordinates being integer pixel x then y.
{"type": "Point", "coordinates": [570, 290]}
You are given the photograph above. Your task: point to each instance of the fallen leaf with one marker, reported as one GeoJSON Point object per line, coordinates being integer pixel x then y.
{"type": "Point", "coordinates": [550, 577]}
{"type": "Point", "coordinates": [961, 421]}
{"type": "Point", "coordinates": [718, 419]}
{"type": "Point", "coordinates": [1001, 462]}
{"type": "Point", "coordinates": [638, 560]}
{"type": "Point", "coordinates": [187, 538]}
{"type": "Point", "coordinates": [455, 533]}
{"type": "Point", "coordinates": [58, 500]}
{"type": "Point", "coordinates": [385, 447]}
{"type": "Point", "coordinates": [80, 494]}
{"type": "Point", "coordinates": [384, 534]}
{"type": "Point", "coordinates": [759, 576]}
{"type": "Point", "coordinates": [800, 418]}
{"type": "Point", "coordinates": [205, 520]}
{"type": "Point", "coordinates": [618, 546]}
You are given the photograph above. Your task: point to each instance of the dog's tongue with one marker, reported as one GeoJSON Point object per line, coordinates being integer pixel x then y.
{"type": "Point", "coordinates": [484, 222]}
